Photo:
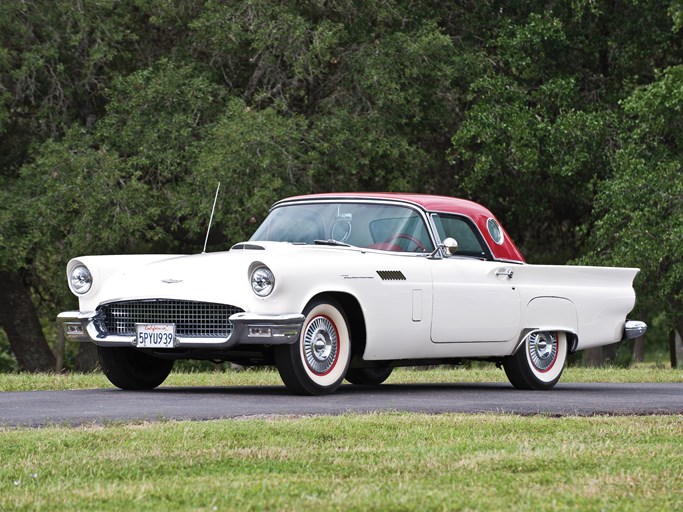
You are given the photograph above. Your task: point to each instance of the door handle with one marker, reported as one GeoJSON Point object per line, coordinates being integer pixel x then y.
{"type": "Point", "coordinates": [508, 273]}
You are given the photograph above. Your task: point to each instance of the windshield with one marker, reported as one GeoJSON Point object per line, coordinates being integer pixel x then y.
{"type": "Point", "coordinates": [374, 226]}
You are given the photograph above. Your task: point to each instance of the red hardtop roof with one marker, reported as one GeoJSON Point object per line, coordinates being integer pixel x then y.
{"type": "Point", "coordinates": [429, 202]}
{"type": "Point", "coordinates": [507, 250]}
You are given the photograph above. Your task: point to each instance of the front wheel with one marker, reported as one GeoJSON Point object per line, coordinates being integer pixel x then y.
{"type": "Point", "coordinates": [317, 363]}
{"type": "Point", "coordinates": [132, 369]}
{"type": "Point", "coordinates": [539, 362]}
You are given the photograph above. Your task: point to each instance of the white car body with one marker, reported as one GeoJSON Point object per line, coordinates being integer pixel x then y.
{"type": "Point", "coordinates": [400, 307]}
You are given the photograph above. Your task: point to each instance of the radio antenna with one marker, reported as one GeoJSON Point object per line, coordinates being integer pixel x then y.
{"type": "Point", "coordinates": [213, 209]}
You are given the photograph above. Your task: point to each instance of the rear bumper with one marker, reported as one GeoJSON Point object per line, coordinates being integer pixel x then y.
{"type": "Point", "coordinates": [249, 329]}
{"type": "Point", "coordinates": [634, 329]}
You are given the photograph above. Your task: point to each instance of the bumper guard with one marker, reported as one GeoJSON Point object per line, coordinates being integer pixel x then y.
{"type": "Point", "coordinates": [634, 329]}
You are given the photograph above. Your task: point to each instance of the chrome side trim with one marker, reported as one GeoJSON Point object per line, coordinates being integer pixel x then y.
{"type": "Point", "coordinates": [634, 329]}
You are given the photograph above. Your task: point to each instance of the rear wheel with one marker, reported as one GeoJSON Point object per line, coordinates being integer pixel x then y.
{"type": "Point", "coordinates": [132, 369]}
{"type": "Point", "coordinates": [317, 363]}
{"type": "Point", "coordinates": [368, 376]}
{"type": "Point", "coordinates": [539, 362]}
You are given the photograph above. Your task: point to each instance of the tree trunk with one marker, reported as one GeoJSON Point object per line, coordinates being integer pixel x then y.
{"type": "Point", "coordinates": [60, 351]}
{"type": "Point", "coordinates": [676, 344]}
{"type": "Point", "coordinates": [593, 357]}
{"type": "Point", "coordinates": [678, 339]}
{"type": "Point", "coordinates": [19, 319]}
{"type": "Point", "coordinates": [672, 349]}
{"type": "Point", "coordinates": [86, 359]}
{"type": "Point", "coordinates": [609, 353]}
{"type": "Point", "coordinates": [639, 349]}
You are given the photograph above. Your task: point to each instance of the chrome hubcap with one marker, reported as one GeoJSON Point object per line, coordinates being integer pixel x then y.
{"type": "Point", "coordinates": [320, 344]}
{"type": "Point", "coordinates": [543, 350]}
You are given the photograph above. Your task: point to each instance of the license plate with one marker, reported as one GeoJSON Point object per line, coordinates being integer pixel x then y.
{"type": "Point", "coordinates": [155, 335]}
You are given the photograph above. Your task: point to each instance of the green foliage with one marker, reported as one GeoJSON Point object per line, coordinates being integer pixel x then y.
{"type": "Point", "coordinates": [257, 155]}
{"type": "Point", "coordinates": [117, 119]}
{"type": "Point", "coordinates": [8, 362]}
{"type": "Point", "coordinates": [640, 210]}
{"type": "Point", "coordinates": [153, 118]}
{"type": "Point", "coordinates": [676, 13]}
{"type": "Point", "coordinates": [534, 157]}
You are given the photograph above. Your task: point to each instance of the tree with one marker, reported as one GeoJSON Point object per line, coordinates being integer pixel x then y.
{"type": "Point", "coordinates": [641, 207]}
{"type": "Point", "coordinates": [540, 129]}
{"type": "Point", "coordinates": [56, 60]}
{"type": "Point", "coordinates": [118, 118]}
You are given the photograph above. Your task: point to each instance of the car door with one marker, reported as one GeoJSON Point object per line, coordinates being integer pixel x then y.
{"type": "Point", "coordinates": [474, 299]}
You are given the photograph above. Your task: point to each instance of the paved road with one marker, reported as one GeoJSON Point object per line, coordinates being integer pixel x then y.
{"type": "Point", "coordinates": [38, 408]}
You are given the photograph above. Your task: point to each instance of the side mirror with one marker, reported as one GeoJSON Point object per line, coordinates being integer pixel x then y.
{"type": "Point", "coordinates": [451, 245]}
{"type": "Point", "coordinates": [446, 248]}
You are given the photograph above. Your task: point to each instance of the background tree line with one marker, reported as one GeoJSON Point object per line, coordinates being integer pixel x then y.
{"type": "Point", "coordinates": [118, 117]}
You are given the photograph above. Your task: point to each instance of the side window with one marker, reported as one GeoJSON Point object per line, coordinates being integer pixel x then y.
{"type": "Point", "coordinates": [459, 228]}
{"type": "Point", "coordinates": [405, 233]}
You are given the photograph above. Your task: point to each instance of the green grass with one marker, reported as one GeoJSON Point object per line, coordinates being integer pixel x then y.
{"type": "Point", "coordinates": [387, 461]}
{"type": "Point", "coordinates": [351, 462]}
{"type": "Point", "coordinates": [483, 373]}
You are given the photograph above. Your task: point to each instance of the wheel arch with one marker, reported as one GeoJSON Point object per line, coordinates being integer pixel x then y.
{"type": "Point", "coordinates": [572, 337]}
{"type": "Point", "coordinates": [551, 314]}
{"type": "Point", "coordinates": [354, 315]}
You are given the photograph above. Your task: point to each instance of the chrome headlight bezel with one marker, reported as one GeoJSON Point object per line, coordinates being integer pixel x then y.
{"type": "Point", "coordinates": [80, 279]}
{"type": "Point", "coordinates": [262, 281]}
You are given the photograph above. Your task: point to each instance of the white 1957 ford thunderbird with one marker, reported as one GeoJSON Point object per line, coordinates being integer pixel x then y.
{"type": "Point", "coordinates": [349, 286]}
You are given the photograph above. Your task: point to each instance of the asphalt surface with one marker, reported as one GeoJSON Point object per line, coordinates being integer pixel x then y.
{"type": "Point", "coordinates": [76, 407]}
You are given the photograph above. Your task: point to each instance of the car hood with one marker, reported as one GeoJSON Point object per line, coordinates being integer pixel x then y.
{"type": "Point", "coordinates": [222, 277]}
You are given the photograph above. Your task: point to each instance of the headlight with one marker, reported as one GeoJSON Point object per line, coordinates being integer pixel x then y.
{"type": "Point", "coordinates": [80, 279]}
{"type": "Point", "coordinates": [262, 281]}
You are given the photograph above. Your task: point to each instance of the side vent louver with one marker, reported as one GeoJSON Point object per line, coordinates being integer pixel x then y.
{"type": "Point", "coordinates": [391, 275]}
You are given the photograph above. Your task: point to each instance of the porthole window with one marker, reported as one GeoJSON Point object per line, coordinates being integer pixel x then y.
{"type": "Point", "coordinates": [495, 231]}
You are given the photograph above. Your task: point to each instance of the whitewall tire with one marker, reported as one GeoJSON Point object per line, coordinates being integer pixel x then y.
{"type": "Point", "coordinates": [539, 362]}
{"type": "Point", "coordinates": [317, 363]}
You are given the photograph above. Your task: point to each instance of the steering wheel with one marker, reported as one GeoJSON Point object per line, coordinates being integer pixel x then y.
{"type": "Point", "coordinates": [411, 238]}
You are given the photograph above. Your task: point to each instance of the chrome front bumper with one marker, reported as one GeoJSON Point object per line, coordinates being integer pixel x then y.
{"type": "Point", "coordinates": [249, 329]}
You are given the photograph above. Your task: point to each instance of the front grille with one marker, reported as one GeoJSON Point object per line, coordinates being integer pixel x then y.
{"type": "Point", "coordinates": [191, 319]}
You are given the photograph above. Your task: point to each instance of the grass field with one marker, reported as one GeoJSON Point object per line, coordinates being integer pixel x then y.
{"type": "Point", "coordinates": [351, 462]}
{"type": "Point", "coordinates": [484, 373]}
{"type": "Point", "coordinates": [387, 461]}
